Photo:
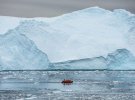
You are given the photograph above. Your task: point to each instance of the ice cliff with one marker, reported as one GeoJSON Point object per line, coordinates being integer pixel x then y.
{"type": "Point", "coordinates": [18, 52]}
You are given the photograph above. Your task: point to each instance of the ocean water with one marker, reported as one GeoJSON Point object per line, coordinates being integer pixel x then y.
{"type": "Point", "coordinates": [87, 85]}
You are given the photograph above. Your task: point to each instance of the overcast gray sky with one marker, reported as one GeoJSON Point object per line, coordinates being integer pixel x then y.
{"type": "Point", "coordinates": [50, 8]}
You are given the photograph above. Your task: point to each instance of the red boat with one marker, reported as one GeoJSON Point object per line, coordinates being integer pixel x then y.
{"type": "Point", "coordinates": [67, 81]}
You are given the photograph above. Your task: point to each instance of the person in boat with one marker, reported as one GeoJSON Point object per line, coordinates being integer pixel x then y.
{"type": "Point", "coordinates": [67, 81]}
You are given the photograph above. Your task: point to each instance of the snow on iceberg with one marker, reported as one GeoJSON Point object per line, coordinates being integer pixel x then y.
{"type": "Point", "coordinates": [120, 59]}
{"type": "Point", "coordinates": [7, 23]}
{"type": "Point", "coordinates": [86, 33]}
{"type": "Point", "coordinates": [17, 52]}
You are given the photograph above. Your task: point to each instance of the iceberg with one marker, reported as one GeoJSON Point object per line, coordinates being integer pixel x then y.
{"type": "Point", "coordinates": [86, 33]}
{"type": "Point", "coordinates": [120, 59]}
{"type": "Point", "coordinates": [17, 52]}
{"type": "Point", "coordinates": [84, 39]}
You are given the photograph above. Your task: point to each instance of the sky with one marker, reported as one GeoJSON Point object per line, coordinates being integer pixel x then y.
{"type": "Point", "coordinates": [52, 8]}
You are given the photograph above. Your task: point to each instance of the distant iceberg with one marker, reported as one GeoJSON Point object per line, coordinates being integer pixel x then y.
{"type": "Point", "coordinates": [89, 33]}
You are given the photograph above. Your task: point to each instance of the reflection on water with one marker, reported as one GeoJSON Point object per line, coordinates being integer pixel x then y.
{"type": "Point", "coordinates": [37, 84]}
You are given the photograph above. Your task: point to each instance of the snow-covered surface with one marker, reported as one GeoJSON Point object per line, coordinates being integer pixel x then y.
{"type": "Point", "coordinates": [18, 52]}
{"type": "Point", "coordinates": [7, 23]}
{"type": "Point", "coordinates": [87, 33]}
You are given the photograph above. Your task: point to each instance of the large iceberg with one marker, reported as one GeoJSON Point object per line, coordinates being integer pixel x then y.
{"type": "Point", "coordinates": [82, 34]}
{"type": "Point", "coordinates": [89, 33]}
{"type": "Point", "coordinates": [17, 52]}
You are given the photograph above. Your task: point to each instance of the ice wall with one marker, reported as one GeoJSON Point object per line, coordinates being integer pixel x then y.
{"type": "Point", "coordinates": [18, 52]}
